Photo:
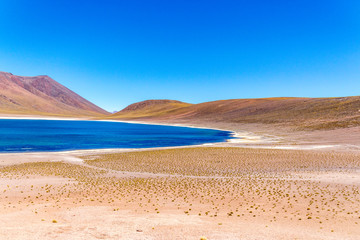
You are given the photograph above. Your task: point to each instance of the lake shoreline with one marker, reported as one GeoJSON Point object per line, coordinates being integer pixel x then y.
{"type": "Point", "coordinates": [52, 193]}
{"type": "Point", "coordinates": [117, 135]}
{"type": "Point", "coordinates": [244, 136]}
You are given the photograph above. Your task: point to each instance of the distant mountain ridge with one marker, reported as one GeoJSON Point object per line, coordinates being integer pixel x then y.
{"type": "Point", "coordinates": [303, 113]}
{"type": "Point", "coordinates": [42, 95]}
{"type": "Point", "coordinates": [150, 108]}
{"type": "Point", "coordinates": [149, 103]}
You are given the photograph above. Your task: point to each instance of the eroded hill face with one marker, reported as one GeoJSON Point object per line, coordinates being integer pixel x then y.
{"type": "Point", "coordinates": [151, 103]}
{"type": "Point", "coordinates": [42, 95]}
{"type": "Point", "coordinates": [303, 113]}
{"type": "Point", "coordinates": [150, 109]}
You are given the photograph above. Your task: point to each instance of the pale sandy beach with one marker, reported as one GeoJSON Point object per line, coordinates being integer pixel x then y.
{"type": "Point", "coordinates": [258, 187]}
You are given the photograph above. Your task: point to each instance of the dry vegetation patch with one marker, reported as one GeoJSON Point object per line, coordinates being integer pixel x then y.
{"type": "Point", "coordinates": [225, 161]}
{"type": "Point", "coordinates": [219, 184]}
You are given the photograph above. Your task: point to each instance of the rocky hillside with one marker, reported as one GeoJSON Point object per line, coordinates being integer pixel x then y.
{"type": "Point", "coordinates": [150, 108]}
{"type": "Point", "coordinates": [41, 95]}
{"type": "Point", "coordinates": [301, 113]}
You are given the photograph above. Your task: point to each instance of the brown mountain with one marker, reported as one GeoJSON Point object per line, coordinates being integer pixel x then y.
{"type": "Point", "coordinates": [302, 113]}
{"type": "Point", "coordinates": [150, 108]}
{"type": "Point", "coordinates": [41, 95]}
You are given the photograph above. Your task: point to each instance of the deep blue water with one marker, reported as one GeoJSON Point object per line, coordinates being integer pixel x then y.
{"type": "Point", "coordinates": [59, 135]}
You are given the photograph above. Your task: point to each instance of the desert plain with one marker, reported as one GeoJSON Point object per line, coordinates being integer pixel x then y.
{"type": "Point", "coordinates": [269, 184]}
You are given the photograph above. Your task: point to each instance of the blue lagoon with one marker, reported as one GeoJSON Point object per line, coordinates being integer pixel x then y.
{"type": "Point", "coordinates": [19, 135]}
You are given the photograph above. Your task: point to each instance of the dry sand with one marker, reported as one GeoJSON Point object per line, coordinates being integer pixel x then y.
{"type": "Point", "coordinates": [263, 190]}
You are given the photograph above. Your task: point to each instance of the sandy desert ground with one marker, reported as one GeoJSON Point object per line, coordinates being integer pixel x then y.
{"type": "Point", "coordinates": [263, 187]}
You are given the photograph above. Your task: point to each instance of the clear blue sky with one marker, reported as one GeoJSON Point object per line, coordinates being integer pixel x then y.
{"type": "Point", "coordinates": [115, 53]}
